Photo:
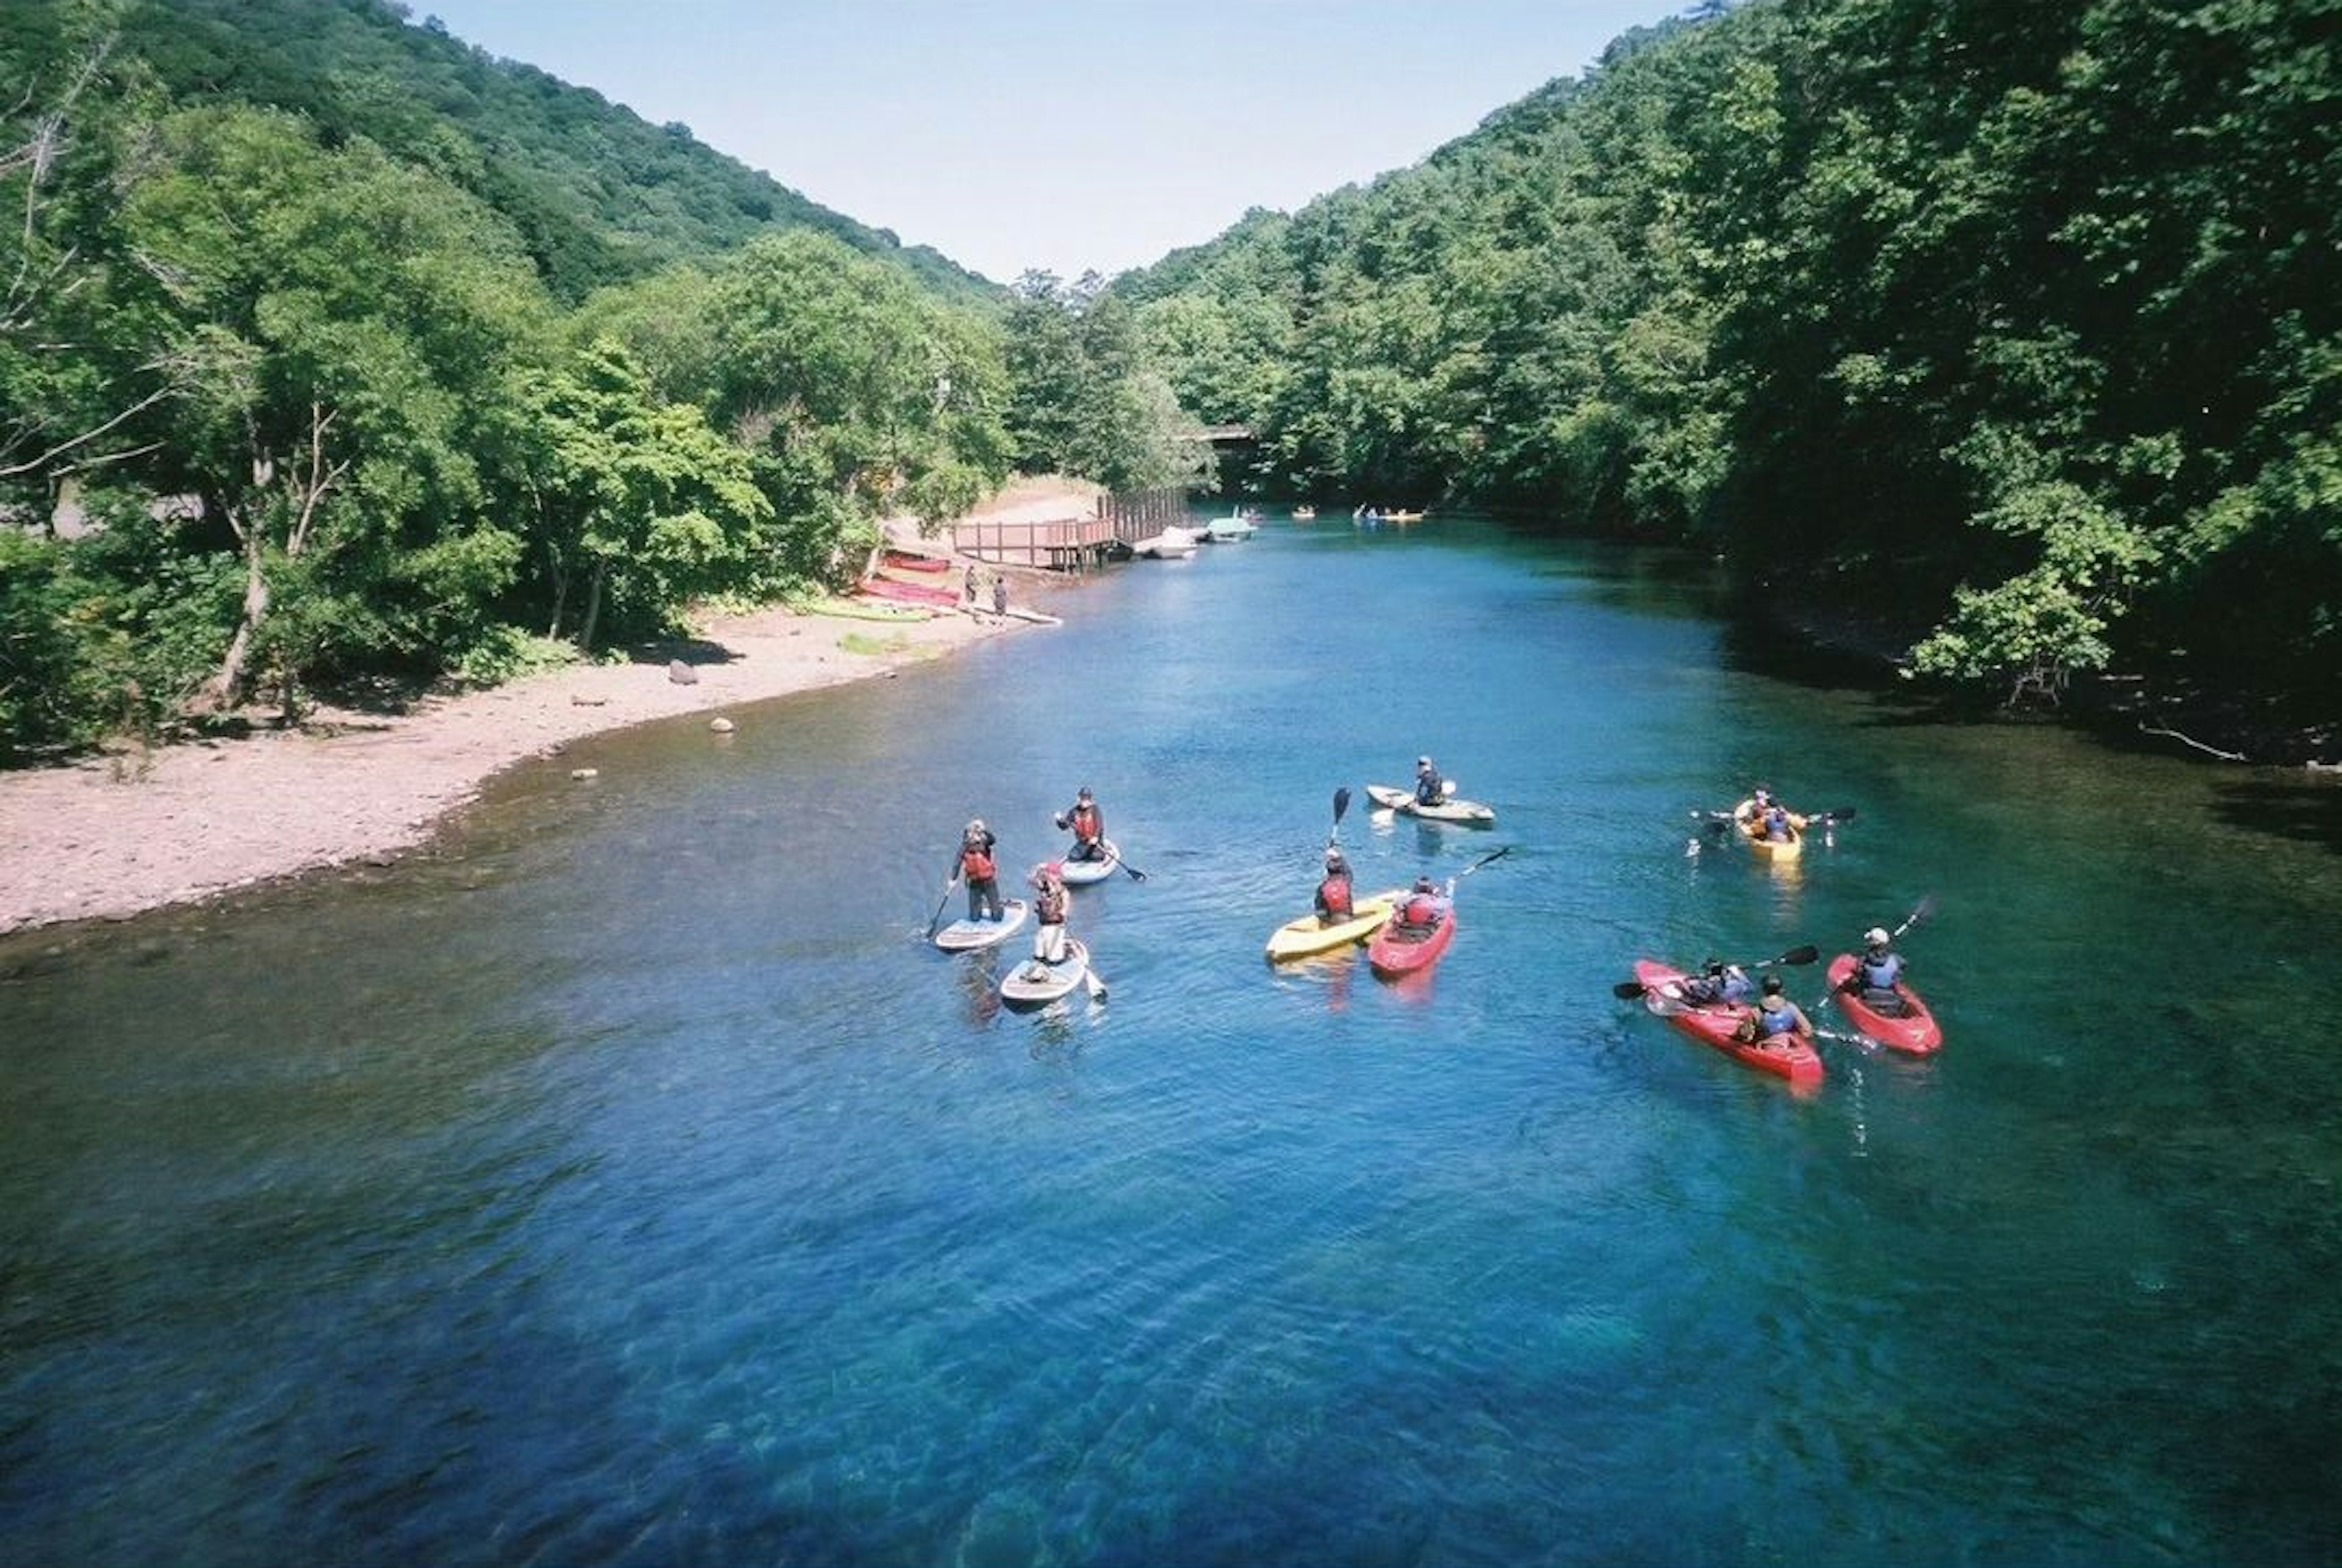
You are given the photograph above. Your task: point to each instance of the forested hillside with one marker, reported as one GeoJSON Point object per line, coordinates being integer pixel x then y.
{"type": "Point", "coordinates": [596, 194]}
{"type": "Point", "coordinates": [2014, 326]}
{"type": "Point", "coordinates": [331, 350]}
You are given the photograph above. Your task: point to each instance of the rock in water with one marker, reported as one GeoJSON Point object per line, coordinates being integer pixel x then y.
{"type": "Point", "coordinates": [681, 673]}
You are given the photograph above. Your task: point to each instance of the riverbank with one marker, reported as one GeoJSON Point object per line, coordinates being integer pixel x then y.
{"type": "Point", "coordinates": [108, 837]}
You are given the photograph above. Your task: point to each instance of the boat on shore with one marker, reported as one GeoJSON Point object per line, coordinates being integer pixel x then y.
{"type": "Point", "coordinates": [1228, 530]}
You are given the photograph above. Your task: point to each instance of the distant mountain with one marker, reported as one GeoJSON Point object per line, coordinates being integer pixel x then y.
{"type": "Point", "coordinates": [598, 193]}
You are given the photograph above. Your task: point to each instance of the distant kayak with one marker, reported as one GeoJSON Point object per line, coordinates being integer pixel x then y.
{"type": "Point", "coordinates": [1469, 812]}
{"type": "Point", "coordinates": [965, 936]}
{"type": "Point", "coordinates": [1308, 935]}
{"type": "Point", "coordinates": [1912, 1030]}
{"type": "Point", "coordinates": [1398, 951]}
{"type": "Point", "coordinates": [1080, 872]}
{"type": "Point", "coordinates": [1033, 983]}
{"type": "Point", "coordinates": [1720, 1025]}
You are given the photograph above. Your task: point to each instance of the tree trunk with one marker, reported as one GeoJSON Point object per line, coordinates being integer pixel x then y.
{"type": "Point", "coordinates": [593, 606]}
{"type": "Point", "coordinates": [227, 685]}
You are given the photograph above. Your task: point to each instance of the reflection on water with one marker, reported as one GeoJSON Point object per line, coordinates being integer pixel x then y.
{"type": "Point", "coordinates": [629, 1180]}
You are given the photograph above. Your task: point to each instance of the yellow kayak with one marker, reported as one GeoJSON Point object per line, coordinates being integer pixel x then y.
{"type": "Point", "coordinates": [1302, 937]}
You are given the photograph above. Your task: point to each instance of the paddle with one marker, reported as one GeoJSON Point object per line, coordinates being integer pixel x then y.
{"type": "Point", "coordinates": [1092, 983]}
{"type": "Point", "coordinates": [937, 918]}
{"type": "Point", "coordinates": [1926, 908]}
{"type": "Point", "coordinates": [1627, 990]}
{"type": "Point", "coordinates": [1131, 871]}
{"type": "Point", "coordinates": [1493, 855]}
{"type": "Point", "coordinates": [1341, 804]}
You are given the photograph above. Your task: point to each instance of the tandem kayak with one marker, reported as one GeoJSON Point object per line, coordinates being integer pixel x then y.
{"type": "Point", "coordinates": [1081, 873]}
{"type": "Point", "coordinates": [1309, 935]}
{"type": "Point", "coordinates": [1470, 813]}
{"type": "Point", "coordinates": [1033, 983]}
{"type": "Point", "coordinates": [967, 935]}
{"type": "Point", "coordinates": [1784, 1057]}
{"type": "Point", "coordinates": [1774, 849]}
{"type": "Point", "coordinates": [1398, 951]}
{"type": "Point", "coordinates": [1908, 1026]}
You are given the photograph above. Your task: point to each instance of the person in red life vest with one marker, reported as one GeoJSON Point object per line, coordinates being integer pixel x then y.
{"type": "Point", "coordinates": [1049, 901]}
{"type": "Point", "coordinates": [1088, 825]}
{"type": "Point", "coordinates": [977, 864]}
{"type": "Point", "coordinates": [1335, 903]}
{"type": "Point", "coordinates": [1423, 908]}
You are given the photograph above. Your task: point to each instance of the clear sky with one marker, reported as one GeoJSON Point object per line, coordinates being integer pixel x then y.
{"type": "Point", "coordinates": [1073, 135]}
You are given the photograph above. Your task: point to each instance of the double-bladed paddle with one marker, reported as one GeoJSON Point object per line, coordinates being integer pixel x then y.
{"type": "Point", "coordinates": [1627, 990]}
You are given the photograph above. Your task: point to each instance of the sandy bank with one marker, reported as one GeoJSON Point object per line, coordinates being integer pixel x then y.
{"type": "Point", "coordinates": [109, 837]}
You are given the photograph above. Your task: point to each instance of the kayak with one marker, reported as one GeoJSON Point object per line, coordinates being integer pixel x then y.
{"type": "Point", "coordinates": [1913, 1030]}
{"type": "Point", "coordinates": [866, 610]}
{"type": "Point", "coordinates": [1470, 813]}
{"type": "Point", "coordinates": [1034, 982]}
{"type": "Point", "coordinates": [1308, 935]}
{"type": "Point", "coordinates": [967, 935]}
{"type": "Point", "coordinates": [1776, 850]}
{"type": "Point", "coordinates": [909, 592]}
{"type": "Point", "coordinates": [904, 561]}
{"type": "Point", "coordinates": [1719, 1026]}
{"type": "Point", "coordinates": [1398, 951]}
{"type": "Point", "coordinates": [1081, 873]}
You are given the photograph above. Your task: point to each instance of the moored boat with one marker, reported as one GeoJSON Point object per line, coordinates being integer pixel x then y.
{"type": "Point", "coordinates": [1308, 935]}
{"type": "Point", "coordinates": [1469, 812]}
{"type": "Point", "coordinates": [1226, 530]}
{"type": "Point", "coordinates": [1906, 1026]}
{"type": "Point", "coordinates": [1171, 545]}
{"type": "Point", "coordinates": [1720, 1025]}
{"type": "Point", "coordinates": [1305, 514]}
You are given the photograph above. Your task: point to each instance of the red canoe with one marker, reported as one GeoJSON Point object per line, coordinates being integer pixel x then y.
{"type": "Point", "coordinates": [1398, 951]}
{"type": "Point", "coordinates": [908, 593]}
{"type": "Point", "coordinates": [904, 561]}
{"type": "Point", "coordinates": [1719, 1026]}
{"type": "Point", "coordinates": [1913, 1030]}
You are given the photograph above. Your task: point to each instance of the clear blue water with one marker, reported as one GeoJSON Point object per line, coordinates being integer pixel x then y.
{"type": "Point", "coordinates": [627, 1183]}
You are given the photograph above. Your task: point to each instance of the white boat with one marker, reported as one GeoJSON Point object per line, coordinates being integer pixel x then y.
{"type": "Point", "coordinates": [1222, 530]}
{"type": "Point", "coordinates": [1171, 545]}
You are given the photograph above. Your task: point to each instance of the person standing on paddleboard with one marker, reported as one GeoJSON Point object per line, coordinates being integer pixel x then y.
{"type": "Point", "coordinates": [1050, 909]}
{"type": "Point", "coordinates": [1088, 825]}
{"type": "Point", "coordinates": [977, 863]}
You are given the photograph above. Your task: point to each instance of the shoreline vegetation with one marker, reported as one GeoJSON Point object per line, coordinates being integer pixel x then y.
{"type": "Point", "coordinates": [110, 836]}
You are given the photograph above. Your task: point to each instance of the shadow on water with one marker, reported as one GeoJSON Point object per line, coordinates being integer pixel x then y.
{"type": "Point", "coordinates": [2307, 811]}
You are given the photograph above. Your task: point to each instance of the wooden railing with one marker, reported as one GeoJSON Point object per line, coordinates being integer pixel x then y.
{"type": "Point", "coordinates": [1074, 543]}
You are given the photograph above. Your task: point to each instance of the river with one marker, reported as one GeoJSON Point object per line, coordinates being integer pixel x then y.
{"type": "Point", "coordinates": [626, 1180]}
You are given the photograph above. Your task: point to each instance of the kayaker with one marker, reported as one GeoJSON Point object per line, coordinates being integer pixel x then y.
{"type": "Point", "coordinates": [1877, 971]}
{"type": "Point", "coordinates": [1088, 825]}
{"type": "Point", "coordinates": [1335, 903]}
{"type": "Point", "coordinates": [1430, 789]}
{"type": "Point", "coordinates": [977, 864]}
{"type": "Point", "coordinates": [1777, 824]}
{"type": "Point", "coordinates": [1719, 984]}
{"type": "Point", "coordinates": [1775, 1015]}
{"type": "Point", "coordinates": [1050, 909]}
{"type": "Point", "coordinates": [1423, 908]}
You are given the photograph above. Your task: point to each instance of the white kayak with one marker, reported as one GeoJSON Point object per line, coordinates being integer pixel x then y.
{"type": "Point", "coordinates": [1470, 813]}
{"type": "Point", "coordinates": [1033, 983]}
{"type": "Point", "coordinates": [1081, 873]}
{"type": "Point", "coordinates": [965, 936]}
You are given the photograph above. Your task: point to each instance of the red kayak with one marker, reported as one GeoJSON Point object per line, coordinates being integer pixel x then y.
{"type": "Point", "coordinates": [1398, 951]}
{"type": "Point", "coordinates": [1912, 1029]}
{"type": "Point", "coordinates": [1784, 1056]}
{"type": "Point", "coordinates": [908, 593]}
{"type": "Point", "coordinates": [904, 561]}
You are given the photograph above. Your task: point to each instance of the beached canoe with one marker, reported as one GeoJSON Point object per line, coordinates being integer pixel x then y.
{"type": "Point", "coordinates": [909, 592]}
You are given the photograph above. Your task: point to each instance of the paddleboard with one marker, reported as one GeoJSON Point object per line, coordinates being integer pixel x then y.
{"type": "Point", "coordinates": [967, 935]}
{"type": "Point", "coordinates": [1032, 982]}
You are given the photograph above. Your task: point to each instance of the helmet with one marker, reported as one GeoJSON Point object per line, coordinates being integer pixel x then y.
{"type": "Point", "coordinates": [1084, 793]}
{"type": "Point", "coordinates": [1875, 938]}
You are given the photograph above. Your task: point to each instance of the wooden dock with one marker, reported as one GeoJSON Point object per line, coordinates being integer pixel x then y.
{"type": "Point", "coordinates": [1073, 544]}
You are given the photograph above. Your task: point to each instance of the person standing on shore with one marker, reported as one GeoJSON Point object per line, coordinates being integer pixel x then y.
{"type": "Point", "coordinates": [999, 594]}
{"type": "Point", "coordinates": [970, 584]}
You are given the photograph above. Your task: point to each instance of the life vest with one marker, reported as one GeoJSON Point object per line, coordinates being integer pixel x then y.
{"type": "Point", "coordinates": [1334, 897]}
{"type": "Point", "coordinates": [1777, 826]}
{"type": "Point", "coordinates": [1776, 1016]}
{"type": "Point", "coordinates": [1880, 974]}
{"type": "Point", "coordinates": [1428, 790]}
{"type": "Point", "coordinates": [976, 863]}
{"type": "Point", "coordinates": [1086, 822]}
{"type": "Point", "coordinates": [1421, 911]}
